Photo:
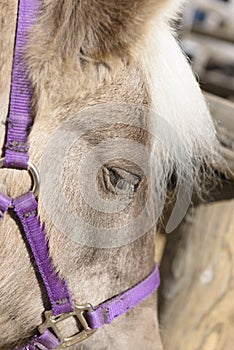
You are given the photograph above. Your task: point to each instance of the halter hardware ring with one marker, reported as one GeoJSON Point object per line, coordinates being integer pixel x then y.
{"type": "Point", "coordinates": [51, 322]}
{"type": "Point", "coordinates": [34, 174]}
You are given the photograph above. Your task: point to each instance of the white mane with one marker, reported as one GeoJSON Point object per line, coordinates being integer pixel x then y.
{"type": "Point", "coordinates": [185, 134]}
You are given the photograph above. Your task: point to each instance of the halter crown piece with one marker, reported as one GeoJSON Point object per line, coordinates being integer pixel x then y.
{"type": "Point", "coordinates": [26, 208]}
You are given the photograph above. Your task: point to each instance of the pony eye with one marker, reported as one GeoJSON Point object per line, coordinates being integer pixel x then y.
{"type": "Point", "coordinates": [121, 181]}
{"type": "Point", "coordinates": [124, 186]}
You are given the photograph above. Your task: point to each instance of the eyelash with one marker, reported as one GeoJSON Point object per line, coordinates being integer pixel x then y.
{"type": "Point", "coordinates": [122, 185]}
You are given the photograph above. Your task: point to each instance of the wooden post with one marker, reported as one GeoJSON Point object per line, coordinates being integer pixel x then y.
{"type": "Point", "coordinates": [223, 115]}
{"type": "Point", "coordinates": [196, 298]}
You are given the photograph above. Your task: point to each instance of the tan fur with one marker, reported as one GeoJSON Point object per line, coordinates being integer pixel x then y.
{"type": "Point", "coordinates": [82, 53]}
{"type": "Point", "coordinates": [99, 28]}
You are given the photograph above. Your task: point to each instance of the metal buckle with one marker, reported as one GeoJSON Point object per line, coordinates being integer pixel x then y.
{"type": "Point", "coordinates": [51, 321]}
{"type": "Point", "coordinates": [34, 174]}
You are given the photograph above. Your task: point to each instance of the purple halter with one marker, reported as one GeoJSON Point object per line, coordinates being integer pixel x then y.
{"type": "Point", "coordinates": [26, 208]}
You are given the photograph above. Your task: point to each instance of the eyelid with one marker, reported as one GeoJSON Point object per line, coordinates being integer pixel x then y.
{"type": "Point", "coordinates": [121, 181]}
{"type": "Point", "coordinates": [125, 174]}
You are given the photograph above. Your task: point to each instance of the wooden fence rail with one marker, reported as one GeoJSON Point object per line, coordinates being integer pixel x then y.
{"type": "Point", "coordinates": [196, 298]}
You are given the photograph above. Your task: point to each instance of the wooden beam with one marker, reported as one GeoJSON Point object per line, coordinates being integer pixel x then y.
{"type": "Point", "coordinates": [196, 298]}
{"type": "Point", "coordinates": [223, 114]}
{"type": "Point", "coordinates": [212, 34]}
{"type": "Point", "coordinates": [222, 111]}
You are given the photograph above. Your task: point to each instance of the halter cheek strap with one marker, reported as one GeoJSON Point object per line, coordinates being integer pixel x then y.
{"type": "Point", "coordinates": [5, 203]}
{"type": "Point", "coordinates": [92, 318]}
{"type": "Point", "coordinates": [26, 208]}
{"type": "Point", "coordinates": [20, 117]}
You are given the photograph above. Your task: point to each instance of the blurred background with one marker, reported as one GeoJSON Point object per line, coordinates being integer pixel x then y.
{"type": "Point", "coordinates": [196, 296]}
{"type": "Point", "coordinates": [208, 39]}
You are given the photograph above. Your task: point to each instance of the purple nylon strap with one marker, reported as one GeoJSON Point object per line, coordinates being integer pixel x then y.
{"type": "Point", "coordinates": [16, 155]}
{"type": "Point", "coordinates": [5, 203]}
{"type": "Point", "coordinates": [26, 210]}
{"type": "Point", "coordinates": [46, 341]}
{"type": "Point", "coordinates": [106, 312]}
{"type": "Point", "coordinates": [20, 116]}
{"type": "Point", "coordinates": [119, 305]}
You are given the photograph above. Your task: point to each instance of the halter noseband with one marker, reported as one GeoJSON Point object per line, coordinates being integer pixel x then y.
{"type": "Point", "coordinates": [26, 208]}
